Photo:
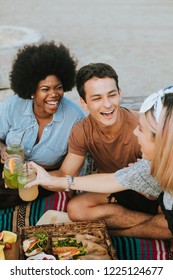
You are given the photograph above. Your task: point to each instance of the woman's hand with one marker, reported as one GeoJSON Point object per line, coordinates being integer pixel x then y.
{"type": "Point", "coordinates": [46, 180]}
{"type": "Point", "coordinates": [4, 154]}
{"type": "Point", "coordinates": [43, 178]}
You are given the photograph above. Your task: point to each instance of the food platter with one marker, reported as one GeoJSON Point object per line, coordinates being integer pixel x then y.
{"type": "Point", "coordinates": [89, 233]}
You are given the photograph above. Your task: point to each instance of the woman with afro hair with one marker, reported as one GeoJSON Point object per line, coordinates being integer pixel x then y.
{"type": "Point", "coordinates": [38, 113]}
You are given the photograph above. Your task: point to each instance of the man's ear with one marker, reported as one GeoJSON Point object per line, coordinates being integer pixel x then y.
{"type": "Point", "coordinates": [120, 93]}
{"type": "Point", "coordinates": [83, 103]}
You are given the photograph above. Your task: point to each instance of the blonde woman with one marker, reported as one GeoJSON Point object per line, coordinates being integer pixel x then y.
{"type": "Point", "coordinates": [155, 135]}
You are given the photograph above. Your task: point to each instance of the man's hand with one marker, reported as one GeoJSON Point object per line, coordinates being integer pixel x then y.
{"type": "Point", "coordinates": [130, 164]}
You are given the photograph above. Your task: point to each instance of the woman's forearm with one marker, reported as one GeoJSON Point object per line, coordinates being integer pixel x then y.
{"type": "Point", "coordinates": [102, 183]}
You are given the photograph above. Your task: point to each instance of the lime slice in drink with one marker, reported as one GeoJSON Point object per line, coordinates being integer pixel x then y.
{"type": "Point", "coordinates": [14, 183]}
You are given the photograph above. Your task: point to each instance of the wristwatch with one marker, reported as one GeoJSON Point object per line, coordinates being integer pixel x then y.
{"type": "Point", "coordinates": [70, 182]}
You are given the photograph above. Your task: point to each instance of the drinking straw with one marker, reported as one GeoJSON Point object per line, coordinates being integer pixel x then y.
{"type": "Point", "coordinates": [25, 131]}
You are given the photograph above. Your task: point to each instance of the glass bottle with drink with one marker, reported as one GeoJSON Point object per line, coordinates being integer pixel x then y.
{"type": "Point", "coordinates": [26, 175]}
{"type": "Point", "coordinates": [15, 146]}
{"type": "Point", "coordinates": [12, 165]}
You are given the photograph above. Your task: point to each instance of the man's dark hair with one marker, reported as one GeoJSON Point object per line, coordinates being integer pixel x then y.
{"type": "Point", "coordinates": [87, 72]}
{"type": "Point", "coordinates": [34, 63]}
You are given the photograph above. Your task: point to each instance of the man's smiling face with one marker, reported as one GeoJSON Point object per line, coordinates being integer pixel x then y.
{"type": "Point", "coordinates": [102, 100]}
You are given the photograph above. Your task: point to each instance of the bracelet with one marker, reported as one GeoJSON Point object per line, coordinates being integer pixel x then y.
{"type": "Point", "coordinates": [70, 182]}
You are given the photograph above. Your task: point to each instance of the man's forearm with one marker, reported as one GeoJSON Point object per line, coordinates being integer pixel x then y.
{"type": "Point", "coordinates": [57, 173]}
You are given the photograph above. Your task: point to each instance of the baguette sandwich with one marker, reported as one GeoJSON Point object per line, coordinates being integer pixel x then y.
{"type": "Point", "coordinates": [67, 248]}
{"type": "Point", "coordinates": [35, 244]}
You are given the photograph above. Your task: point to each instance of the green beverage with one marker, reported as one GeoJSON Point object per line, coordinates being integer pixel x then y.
{"type": "Point", "coordinates": [26, 175]}
{"type": "Point", "coordinates": [11, 168]}
{"type": "Point", "coordinates": [15, 147]}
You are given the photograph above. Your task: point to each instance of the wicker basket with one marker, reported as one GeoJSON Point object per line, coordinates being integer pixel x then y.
{"type": "Point", "coordinates": [95, 228]}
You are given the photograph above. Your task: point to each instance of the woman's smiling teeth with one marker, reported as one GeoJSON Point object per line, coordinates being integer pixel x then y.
{"type": "Point", "coordinates": [52, 102]}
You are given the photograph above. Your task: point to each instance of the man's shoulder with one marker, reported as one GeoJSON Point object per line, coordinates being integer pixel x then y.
{"type": "Point", "coordinates": [78, 141]}
{"type": "Point", "coordinates": [82, 132]}
{"type": "Point", "coordinates": [86, 122]}
{"type": "Point", "coordinates": [130, 117]}
{"type": "Point", "coordinates": [129, 113]}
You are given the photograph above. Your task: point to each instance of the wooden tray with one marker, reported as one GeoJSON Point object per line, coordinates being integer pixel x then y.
{"type": "Point", "coordinates": [70, 229]}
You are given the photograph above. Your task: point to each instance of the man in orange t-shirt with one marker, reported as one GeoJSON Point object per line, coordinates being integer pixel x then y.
{"type": "Point", "coordinates": [110, 152]}
{"type": "Point", "coordinates": [107, 134]}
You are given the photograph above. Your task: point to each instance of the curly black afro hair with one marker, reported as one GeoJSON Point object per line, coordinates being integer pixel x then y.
{"type": "Point", "coordinates": [34, 63]}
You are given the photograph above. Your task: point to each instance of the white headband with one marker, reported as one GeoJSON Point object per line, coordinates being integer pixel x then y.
{"type": "Point", "coordinates": [155, 100]}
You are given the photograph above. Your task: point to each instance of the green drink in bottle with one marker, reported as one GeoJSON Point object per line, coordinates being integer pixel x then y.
{"type": "Point", "coordinates": [12, 166]}
{"type": "Point", "coordinates": [15, 146]}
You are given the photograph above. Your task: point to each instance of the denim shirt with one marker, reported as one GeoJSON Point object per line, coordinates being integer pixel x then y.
{"type": "Point", "coordinates": [18, 120]}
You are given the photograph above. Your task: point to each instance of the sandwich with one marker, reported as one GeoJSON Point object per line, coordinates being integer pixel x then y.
{"type": "Point", "coordinates": [67, 248]}
{"type": "Point", "coordinates": [35, 244]}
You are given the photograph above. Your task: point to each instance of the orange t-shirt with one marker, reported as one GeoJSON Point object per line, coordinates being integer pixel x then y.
{"type": "Point", "coordinates": [109, 155]}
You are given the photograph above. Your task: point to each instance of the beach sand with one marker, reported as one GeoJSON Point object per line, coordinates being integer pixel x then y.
{"type": "Point", "coordinates": [133, 36]}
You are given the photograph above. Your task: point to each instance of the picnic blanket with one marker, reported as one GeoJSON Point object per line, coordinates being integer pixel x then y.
{"type": "Point", "coordinates": [127, 248]}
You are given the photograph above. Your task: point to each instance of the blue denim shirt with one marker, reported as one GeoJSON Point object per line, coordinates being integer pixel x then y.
{"type": "Point", "coordinates": [18, 120]}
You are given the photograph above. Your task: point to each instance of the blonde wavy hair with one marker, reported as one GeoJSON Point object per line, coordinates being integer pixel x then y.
{"type": "Point", "coordinates": [162, 163]}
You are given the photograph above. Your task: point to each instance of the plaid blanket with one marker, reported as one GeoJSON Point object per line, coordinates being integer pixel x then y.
{"type": "Point", "coordinates": [127, 248]}
{"type": "Point", "coordinates": [27, 214]}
